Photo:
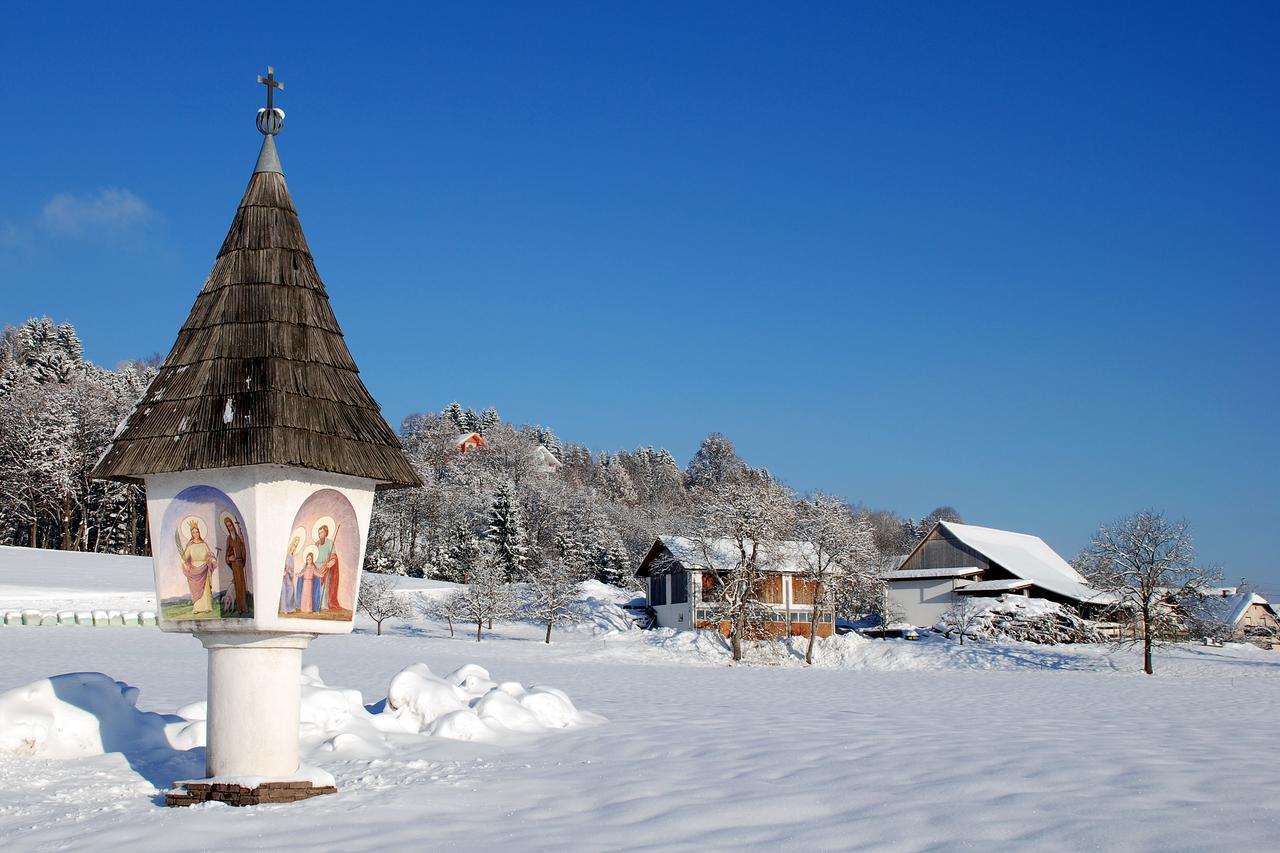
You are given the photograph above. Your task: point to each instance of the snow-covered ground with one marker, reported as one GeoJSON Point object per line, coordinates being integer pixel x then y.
{"type": "Point", "coordinates": [62, 580]}
{"type": "Point", "coordinates": [886, 745]}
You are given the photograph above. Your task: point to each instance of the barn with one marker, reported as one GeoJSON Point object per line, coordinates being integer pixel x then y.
{"type": "Point", "coordinates": [680, 573]}
{"type": "Point", "coordinates": [958, 560]}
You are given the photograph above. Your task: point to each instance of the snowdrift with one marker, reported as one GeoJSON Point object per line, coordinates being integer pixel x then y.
{"type": "Point", "coordinates": [87, 713]}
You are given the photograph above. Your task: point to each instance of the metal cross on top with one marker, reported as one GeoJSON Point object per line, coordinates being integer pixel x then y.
{"type": "Point", "coordinates": [271, 83]}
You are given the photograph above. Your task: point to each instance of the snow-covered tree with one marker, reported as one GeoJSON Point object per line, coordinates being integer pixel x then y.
{"type": "Point", "coordinates": [379, 600]}
{"type": "Point", "coordinates": [506, 532]}
{"type": "Point", "coordinates": [942, 513]}
{"type": "Point", "coordinates": [961, 617]}
{"type": "Point", "coordinates": [838, 552]}
{"type": "Point", "coordinates": [454, 414]}
{"type": "Point", "coordinates": [554, 587]}
{"type": "Point", "coordinates": [716, 462]}
{"type": "Point", "coordinates": [440, 608]}
{"type": "Point", "coordinates": [753, 514]}
{"type": "Point", "coordinates": [1147, 562]}
{"type": "Point", "coordinates": [616, 482]}
{"type": "Point", "coordinates": [487, 596]}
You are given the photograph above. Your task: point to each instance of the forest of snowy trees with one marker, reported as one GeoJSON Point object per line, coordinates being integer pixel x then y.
{"type": "Point", "coordinates": [595, 514]}
{"type": "Point", "coordinates": [57, 415]}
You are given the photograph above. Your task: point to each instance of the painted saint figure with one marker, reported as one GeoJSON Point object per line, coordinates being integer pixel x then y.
{"type": "Point", "coordinates": [307, 590]}
{"type": "Point", "coordinates": [327, 557]}
{"type": "Point", "coordinates": [291, 585]}
{"type": "Point", "coordinates": [236, 556]}
{"type": "Point", "coordinates": [198, 565]}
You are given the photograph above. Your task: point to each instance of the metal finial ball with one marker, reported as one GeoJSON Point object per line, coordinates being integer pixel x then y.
{"type": "Point", "coordinates": [270, 122]}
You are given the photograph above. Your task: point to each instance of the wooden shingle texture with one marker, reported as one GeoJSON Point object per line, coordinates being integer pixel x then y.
{"type": "Point", "coordinates": [260, 373]}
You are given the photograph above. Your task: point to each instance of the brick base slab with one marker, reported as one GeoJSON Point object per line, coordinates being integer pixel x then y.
{"type": "Point", "coordinates": [195, 793]}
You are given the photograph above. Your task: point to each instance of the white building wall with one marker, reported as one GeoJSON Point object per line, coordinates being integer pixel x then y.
{"type": "Point", "coordinates": [679, 616]}
{"type": "Point", "coordinates": [922, 602]}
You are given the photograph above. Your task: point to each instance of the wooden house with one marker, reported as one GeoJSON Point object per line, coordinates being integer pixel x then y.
{"type": "Point", "coordinates": [680, 577]}
{"type": "Point", "coordinates": [469, 441]}
{"type": "Point", "coordinates": [957, 560]}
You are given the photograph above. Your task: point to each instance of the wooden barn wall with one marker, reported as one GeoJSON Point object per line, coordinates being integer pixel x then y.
{"type": "Point", "coordinates": [942, 551]}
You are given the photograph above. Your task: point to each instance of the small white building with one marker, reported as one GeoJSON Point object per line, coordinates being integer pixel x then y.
{"type": "Point", "coordinates": [957, 560]}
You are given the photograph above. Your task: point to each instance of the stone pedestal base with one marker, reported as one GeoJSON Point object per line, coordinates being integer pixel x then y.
{"type": "Point", "coordinates": [194, 793]}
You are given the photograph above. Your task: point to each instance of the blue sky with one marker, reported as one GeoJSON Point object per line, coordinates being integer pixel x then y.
{"type": "Point", "coordinates": [1018, 259]}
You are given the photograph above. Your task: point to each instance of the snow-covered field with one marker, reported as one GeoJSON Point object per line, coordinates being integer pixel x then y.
{"type": "Point", "coordinates": [886, 745]}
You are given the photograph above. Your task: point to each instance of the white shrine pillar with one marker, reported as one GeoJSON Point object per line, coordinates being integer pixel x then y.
{"type": "Point", "coordinates": [255, 703]}
{"type": "Point", "coordinates": [261, 450]}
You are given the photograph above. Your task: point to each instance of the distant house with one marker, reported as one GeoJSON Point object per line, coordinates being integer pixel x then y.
{"type": "Point", "coordinates": [546, 460]}
{"type": "Point", "coordinates": [469, 441]}
{"type": "Point", "coordinates": [958, 560]}
{"type": "Point", "coordinates": [680, 575]}
{"type": "Point", "coordinates": [1244, 611]}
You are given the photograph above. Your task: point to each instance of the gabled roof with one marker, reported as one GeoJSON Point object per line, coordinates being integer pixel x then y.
{"type": "Point", "coordinates": [1026, 557]}
{"type": "Point", "coordinates": [721, 555]}
{"type": "Point", "coordinates": [260, 373]}
{"type": "Point", "coordinates": [1230, 609]}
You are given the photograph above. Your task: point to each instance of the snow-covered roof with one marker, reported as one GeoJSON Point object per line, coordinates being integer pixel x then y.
{"type": "Point", "coordinates": [722, 554]}
{"type": "Point", "coordinates": [1003, 585]}
{"type": "Point", "coordinates": [546, 458]}
{"type": "Point", "coordinates": [1027, 557]}
{"type": "Point", "coordinates": [1230, 609]}
{"type": "Point", "coordinates": [924, 574]}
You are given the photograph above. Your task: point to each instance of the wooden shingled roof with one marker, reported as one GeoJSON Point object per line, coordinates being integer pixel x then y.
{"type": "Point", "coordinates": [260, 373]}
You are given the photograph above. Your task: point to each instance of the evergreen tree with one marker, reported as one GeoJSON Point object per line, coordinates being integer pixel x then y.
{"type": "Point", "coordinates": [615, 566]}
{"type": "Point", "coordinates": [716, 462]}
{"type": "Point", "coordinates": [453, 412]}
{"type": "Point", "coordinates": [507, 534]}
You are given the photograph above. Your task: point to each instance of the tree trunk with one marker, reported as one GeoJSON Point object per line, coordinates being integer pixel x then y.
{"type": "Point", "coordinates": [378, 622]}
{"type": "Point", "coordinates": [813, 633]}
{"type": "Point", "coordinates": [479, 628]}
{"type": "Point", "coordinates": [68, 543]}
{"type": "Point", "coordinates": [1146, 644]}
{"type": "Point", "coordinates": [548, 640]}
{"type": "Point", "coordinates": [449, 619]}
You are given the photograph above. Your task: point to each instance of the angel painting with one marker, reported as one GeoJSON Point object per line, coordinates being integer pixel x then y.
{"type": "Point", "coordinates": [199, 563]}
{"type": "Point", "coordinates": [203, 567]}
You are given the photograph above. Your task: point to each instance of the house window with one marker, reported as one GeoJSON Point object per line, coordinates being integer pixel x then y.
{"type": "Point", "coordinates": [679, 587]}
{"type": "Point", "coordinates": [658, 590]}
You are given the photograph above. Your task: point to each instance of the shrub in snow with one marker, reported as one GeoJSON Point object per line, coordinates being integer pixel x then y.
{"type": "Point", "coordinates": [1015, 617]}
{"type": "Point", "coordinates": [380, 601]}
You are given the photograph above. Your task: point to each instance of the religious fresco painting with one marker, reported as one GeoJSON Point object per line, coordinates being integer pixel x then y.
{"type": "Point", "coordinates": [321, 559]}
{"type": "Point", "coordinates": [204, 562]}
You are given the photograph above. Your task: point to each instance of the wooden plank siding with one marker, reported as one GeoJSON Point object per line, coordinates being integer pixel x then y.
{"type": "Point", "coordinates": [941, 550]}
{"type": "Point", "coordinates": [769, 630]}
